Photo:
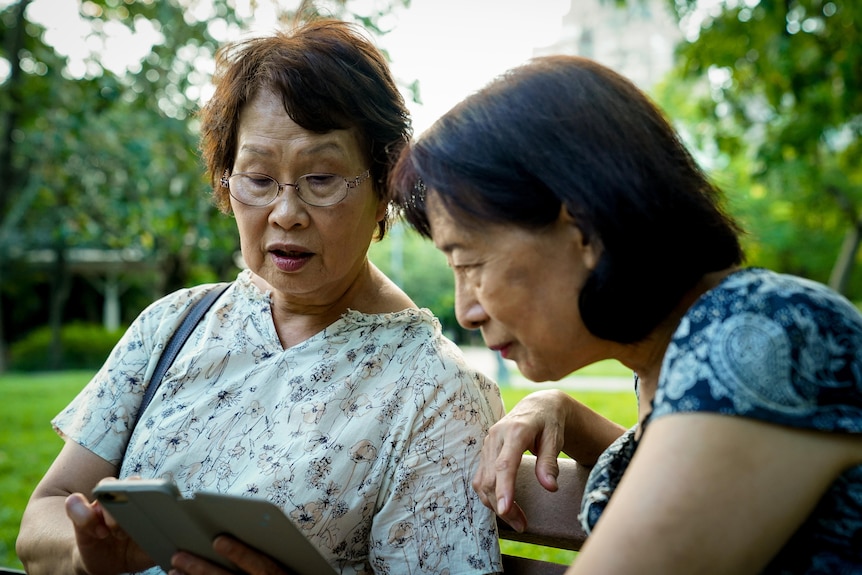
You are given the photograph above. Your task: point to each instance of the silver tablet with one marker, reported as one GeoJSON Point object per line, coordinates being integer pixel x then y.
{"type": "Point", "coordinates": [162, 522]}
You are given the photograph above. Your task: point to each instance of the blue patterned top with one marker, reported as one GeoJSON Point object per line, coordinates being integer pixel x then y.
{"type": "Point", "coordinates": [775, 348]}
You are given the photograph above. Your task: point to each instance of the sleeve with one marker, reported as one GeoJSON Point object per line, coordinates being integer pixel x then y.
{"type": "Point", "coordinates": [791, 356]}
{"type": "Point", "coordinates": [100, 417]}
{"type": "Point", "coordinates": [430, 519]}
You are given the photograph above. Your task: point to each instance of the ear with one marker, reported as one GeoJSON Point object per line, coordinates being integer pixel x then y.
{"type": "Point", "coordinates": [590, 248]}
{"type": "Point", "coordinates": [381, 211]}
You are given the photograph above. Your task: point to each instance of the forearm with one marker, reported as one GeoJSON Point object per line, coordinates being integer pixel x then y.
{"type": "Point", "coordinates": [46, 541]}
{"type": "Point", "coordinates": [587, 433]}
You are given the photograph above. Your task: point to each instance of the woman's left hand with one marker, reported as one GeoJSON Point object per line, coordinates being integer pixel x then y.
{"type": "Point", "coordinates": [544, 423]}
{"type": "Point", "coordinates": [246, 558]}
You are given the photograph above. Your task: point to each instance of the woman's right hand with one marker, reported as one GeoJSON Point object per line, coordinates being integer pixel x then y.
{"type": "Point", "coordinates": [102, 546]}
{"type": "Point", "coordinates": [537, 424]}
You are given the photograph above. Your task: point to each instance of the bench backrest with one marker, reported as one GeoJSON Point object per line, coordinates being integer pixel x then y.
{"type": "Point", "coordinates": [552, 518]}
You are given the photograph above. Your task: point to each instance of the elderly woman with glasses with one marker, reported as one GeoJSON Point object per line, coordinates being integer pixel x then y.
{"type": "Point", "coordinates": [313, 382]}
{"type": "Point", "coordinates": [580, 229]}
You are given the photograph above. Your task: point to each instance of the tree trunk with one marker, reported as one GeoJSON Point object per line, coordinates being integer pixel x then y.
{"type": "Point", "coordinates": [60, 285]}
{"type": "Point", "coordinates": [175, 272]}
{"type": "Point", "coordinates": [841, 272]}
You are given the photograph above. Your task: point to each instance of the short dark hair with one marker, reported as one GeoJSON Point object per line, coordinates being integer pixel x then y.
{"type": "Point", "coordinates": [564, 130]}
{"type": "Point", "coordinates": [329, 76]}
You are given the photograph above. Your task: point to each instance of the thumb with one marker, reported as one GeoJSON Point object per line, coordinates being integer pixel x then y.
{"type": "Point", "coordinates": [84, 517]}
{"type": "Point", "coordinates": [547, 471]}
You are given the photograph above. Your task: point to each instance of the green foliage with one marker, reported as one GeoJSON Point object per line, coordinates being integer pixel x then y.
{"type": "Point", "coordinates": [84, 346]}
{"type": "Point", "coordinates": [106, 161]}
{"type": "Point", "coordinates": [101, 159]}
{"type": "Point", "coordinates": [771, 92]}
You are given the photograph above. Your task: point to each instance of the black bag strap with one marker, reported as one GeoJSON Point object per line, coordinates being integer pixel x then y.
{"type": "Point", "coordinates": [176, 342]}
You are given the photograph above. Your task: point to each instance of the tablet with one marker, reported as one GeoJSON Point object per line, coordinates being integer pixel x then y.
{"type": "Point", "coordinates": [162, 522]}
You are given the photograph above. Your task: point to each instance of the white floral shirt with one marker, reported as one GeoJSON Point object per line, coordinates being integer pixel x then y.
{"type": "Point", "coordinates": [366, 434]}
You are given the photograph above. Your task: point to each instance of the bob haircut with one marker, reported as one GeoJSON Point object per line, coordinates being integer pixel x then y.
{"type": "Point", "coordinates": [330, 77]}
{"type": "Point", "coordinates": [566, 131]}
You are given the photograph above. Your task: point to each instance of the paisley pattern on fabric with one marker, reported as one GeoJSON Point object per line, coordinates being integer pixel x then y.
{"type": "Point", "coordinates": [779, 349]}
{"type": "Point", "coordinates": [604, 478]}
{"type": "Point", "coordinates": [366, 434]}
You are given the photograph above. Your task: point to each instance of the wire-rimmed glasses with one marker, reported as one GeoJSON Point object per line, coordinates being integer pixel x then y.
{"type": "Point", "coordinates": [319, 190]}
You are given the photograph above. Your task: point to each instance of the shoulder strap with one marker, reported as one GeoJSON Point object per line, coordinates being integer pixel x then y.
{"type": "Point", "coordinates": [176, 342]}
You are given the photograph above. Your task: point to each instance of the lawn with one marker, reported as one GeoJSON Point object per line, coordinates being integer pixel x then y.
{"type": "Point", "coordinates": [28, 444]}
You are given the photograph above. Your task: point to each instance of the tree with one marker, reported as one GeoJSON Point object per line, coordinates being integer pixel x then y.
{"type": "Point", "coordinates": [779, 96]}
{"type": "Point", "coordinates": [108, 160]}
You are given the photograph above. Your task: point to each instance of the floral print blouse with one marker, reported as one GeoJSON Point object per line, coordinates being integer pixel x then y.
{"type": "Point", "coordinates": [366, 434]}
{"type": "Point", "coordinates": [779, 349]}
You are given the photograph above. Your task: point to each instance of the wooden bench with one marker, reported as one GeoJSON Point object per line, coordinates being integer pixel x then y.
{"type": "Point", "coordinates": [552, 518]}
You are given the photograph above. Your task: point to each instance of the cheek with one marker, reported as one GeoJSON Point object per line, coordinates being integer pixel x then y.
{"type": "Point", "coordinates": [250, 227]}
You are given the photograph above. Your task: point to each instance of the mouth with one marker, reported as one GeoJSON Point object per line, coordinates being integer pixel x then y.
{"type": "Point", "coordinates": [504, 349]}
{"type": "Point", "coordinates": [292, 254]}
{"type": "Point", "coordinates": [289, 260]}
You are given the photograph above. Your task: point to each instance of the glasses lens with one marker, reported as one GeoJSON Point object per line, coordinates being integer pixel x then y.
{"type": "Point", "coordinates": [253, 189]}
{"type": "Point", "coordinates": [321, 189]}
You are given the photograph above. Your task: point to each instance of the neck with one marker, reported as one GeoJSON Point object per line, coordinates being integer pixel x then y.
{"type": "Point", "coordinates": [645, 357]}
{"type": "Point", "coordinates": [296, 320]}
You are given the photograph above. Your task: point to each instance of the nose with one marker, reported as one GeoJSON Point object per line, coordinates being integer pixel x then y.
{"type": "Point", "coordinates": [468, 310]}
{"type": "Point", "coordinates": [287, 209]}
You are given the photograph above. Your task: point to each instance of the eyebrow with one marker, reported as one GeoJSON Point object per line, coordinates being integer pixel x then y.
{"type": "Point", "coordinates": [314, 149]}
{"type": "Point", "coordinates": [322, 147]}
{"type": "Point", "coordinates": [449, 248]}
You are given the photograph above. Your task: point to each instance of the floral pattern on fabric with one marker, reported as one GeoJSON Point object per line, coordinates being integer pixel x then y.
{"type": "Point", "coordinates": [366, 434]}
{"type": "Point", "coordinates": [779, 349]}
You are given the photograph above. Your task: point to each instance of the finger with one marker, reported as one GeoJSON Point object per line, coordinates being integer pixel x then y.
{"type": "Point", "coordinates": [86, 520]}
{"type": "Point", "coordinates": [184, 563]}
{"type": "Point", "coordinates": [505, 476]}
{"type": "Point", "coordinates": [516, 518]}
{"type": "Point", "coordinates": [478, 484]}
{"type": "Point", "coordinates": [484, 478]}
{"type": "Point", "coordinates": [248, 559]}
{"type": "Point", "coordinates": [547, 448]}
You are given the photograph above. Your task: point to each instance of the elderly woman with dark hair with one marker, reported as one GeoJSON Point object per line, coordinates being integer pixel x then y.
{"type": "Point", "coordinates": [313, 381]}
{"type": "Point", "coordinates": [580, 229]}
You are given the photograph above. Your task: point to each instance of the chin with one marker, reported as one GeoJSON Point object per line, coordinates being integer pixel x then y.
{"type": "Point", "coordinates": [541, 373]}
{"type": "Point", "coordinates": [534, 373]}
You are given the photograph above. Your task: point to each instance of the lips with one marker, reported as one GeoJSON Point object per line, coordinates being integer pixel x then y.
{"type": "Point", "coordinates": [289, 258]}
{"type": "Point", "coordinates": [504, 349]}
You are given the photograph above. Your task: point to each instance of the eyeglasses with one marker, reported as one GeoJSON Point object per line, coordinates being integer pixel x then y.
{"type": "Point", "coordinates": [319, 190]}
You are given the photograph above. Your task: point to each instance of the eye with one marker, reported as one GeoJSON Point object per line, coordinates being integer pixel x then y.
{"type": "Point", "coordinates": [321, 183]}
{"type": "Point", "coordinates": [257, 181]}
{"type": "Point", "coordinates": [465, 270]}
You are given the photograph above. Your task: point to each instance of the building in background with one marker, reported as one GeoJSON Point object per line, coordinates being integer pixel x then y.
{"type": "Point", "coordinates": [637, 40]}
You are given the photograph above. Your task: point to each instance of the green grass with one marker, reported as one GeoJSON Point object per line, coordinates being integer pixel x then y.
{"type": "Point", "coordinates": [607, 367]}
{"type": "Point", "coordinates": [28, 444]}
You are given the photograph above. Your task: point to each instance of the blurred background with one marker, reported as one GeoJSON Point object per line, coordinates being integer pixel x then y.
{"type": "Point", "coordinates": [103, 207]}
